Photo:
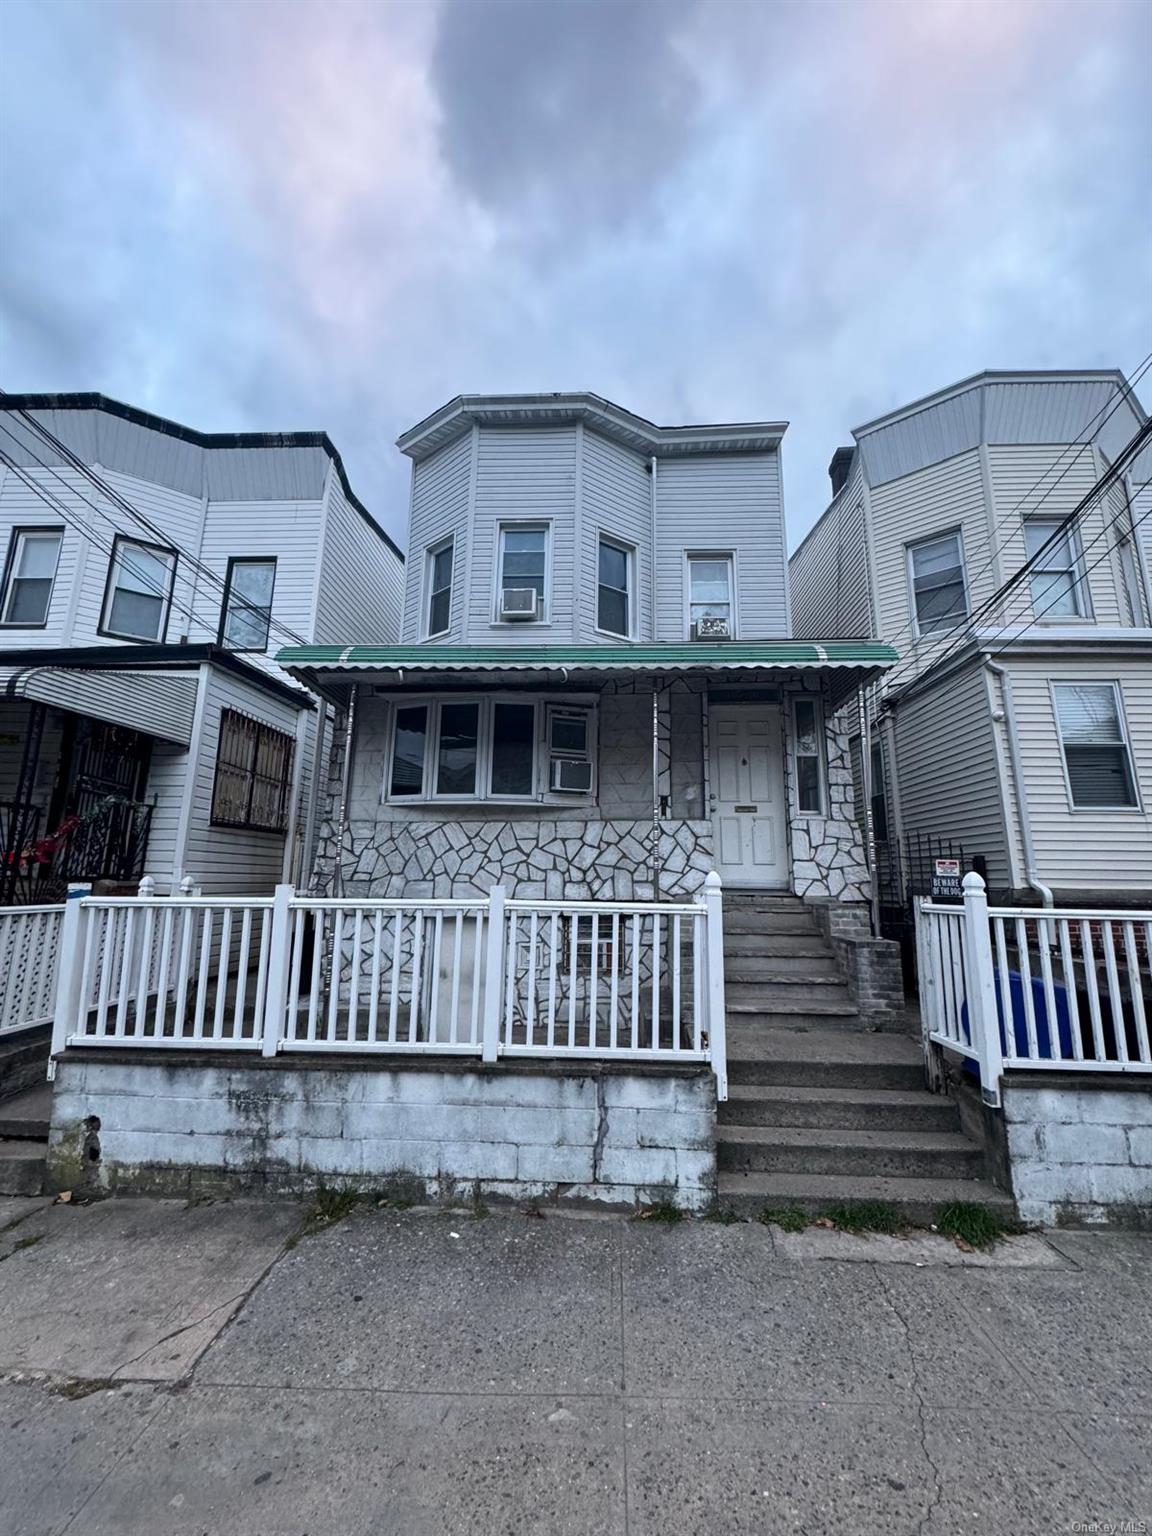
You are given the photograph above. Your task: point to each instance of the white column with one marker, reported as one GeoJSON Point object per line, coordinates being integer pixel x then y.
{"type": "Point", "coordinates": [980, 985]}
{"type": "Point", "coordinates": [714, 943]}
{"type": "Point", "coordinates": [279, 955]}
{"type": "Point", "coordinates": [494, 973]}
{"type": "Point", "coordinates": [69, 968]}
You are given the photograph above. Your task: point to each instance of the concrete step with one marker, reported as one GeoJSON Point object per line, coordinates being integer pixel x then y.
{"type": "Point", "coordinates": [22, 1167]}
{"type": "Point", "coordinates": [24, 1060]}
{"type": "Point", "coordinates": [27, 1115]}
{"type": "Point", "coordinates": [764, 901]}
{"type": "Point", "coordinates": [863, 1154]}
{"type": "Point", "coordinates": [763, 993]}
{"type": "Point", "coordinates": [754, 921]}
{"type": "Point", "coordinates": [812, 960]}
{"type": "Point", "coordinates": [796, 1014]}
{"type": "Point", "coordinates": [852, 1109]}
{"type": "Point", "coordinates": [917, 1201]}
{"type": "Point", "coordinates": [822, 1058]}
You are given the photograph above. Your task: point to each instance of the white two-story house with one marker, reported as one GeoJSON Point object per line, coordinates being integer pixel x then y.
{"type": "Point", "coordinates": [596, 693]}
{"type": "Point", "coordinates": [150, 574]}
{"type": "Point", "coordinates": [1016, 732]}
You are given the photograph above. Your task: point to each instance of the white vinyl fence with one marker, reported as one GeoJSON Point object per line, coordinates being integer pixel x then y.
{"type": "Point", "coordinates": [485, 977]}
{"type": "Point", "coordinates": [1035, 987]}
{"type": "Point", "coordinates": [29, 938]}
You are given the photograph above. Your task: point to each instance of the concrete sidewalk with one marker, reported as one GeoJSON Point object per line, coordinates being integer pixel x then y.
{"type": "Point", "coordinates": [173, 1371]}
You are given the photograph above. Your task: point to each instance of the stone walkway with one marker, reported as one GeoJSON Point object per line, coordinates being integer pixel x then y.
{"type": "Point", "coordinates": [173, 1371]}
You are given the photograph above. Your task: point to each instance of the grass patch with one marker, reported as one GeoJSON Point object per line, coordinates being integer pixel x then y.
{"type": "Point", "coordinates": [790, 1218]}
{"type": "Point", "coordinates": [973, 1224]}
{"type": "Point", "coordinates": [865, 1216]}
{"type": "Point", "coordinates": [723, 1215]}
{"type": "Point", "coordinates": [328, 1207]}
{"type": "Point", "coordinates": [664, 1212]}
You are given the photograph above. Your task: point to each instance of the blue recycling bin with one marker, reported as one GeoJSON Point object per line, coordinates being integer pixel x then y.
{"type": "Point", "coordinates": [1019, 1046]}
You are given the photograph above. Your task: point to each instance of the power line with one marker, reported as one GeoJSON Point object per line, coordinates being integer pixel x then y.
{"type": "Point", "coordinates": [120, 501]}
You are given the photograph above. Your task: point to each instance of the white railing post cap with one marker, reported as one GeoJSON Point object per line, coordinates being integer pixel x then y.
{"type": "Point", "coordinates": [147, 886]}
{"type": "Point", "coordinates": [972, 882]}
{"type": "Point", "coordinates": [712, 880]}
{"type": "Point", "coordinates": [188, 886]}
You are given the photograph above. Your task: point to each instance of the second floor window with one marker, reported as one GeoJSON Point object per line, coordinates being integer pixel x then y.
{"type": "Point", "coordinates": [1057, 591]}
{"type": "Point", "coordinates": [139, 591]}
{"type": "Point", "coordinates": [440, 588]}
{"type": "Point", "coordinates": [30, 575]}
{"type": "Point", "coordinates": [939, 595]}
{"type": "Point", "coordinates": [523, 572]}
{"type": "Point", "coordinates": [710, 596]}
{"type": "Point", "coordinates": [1096, 755]}
{"type": "Point", "coordinates": [614, 588]}
{"type": "Point", "coordinates": [247, 614]}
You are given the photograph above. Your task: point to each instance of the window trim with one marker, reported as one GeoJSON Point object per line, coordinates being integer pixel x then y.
{"type": "Point", "coordinates": [629, 553]}
{"type": "Point", "coordinates": [523, 525]}
{"type": "Point", "coordinates": [221, 639]}
{"type": "Point", "coordinates": [14, 540]}
{"type": "Point", "coordinates": [1137, 805]}
{"type": "Point", "coordinates": [286, 788]}
{"type": "Point", "coordinates": [956, 532]}
{"type": "Point", "coordinates": [821, 753]}
{"type": "Point", "coordinates": [161, 549]}
{"type": "Point", "coordinates": [1075, 569]}
{"type": "Point", "coordinates": [541, 703]}
{"type": "Point", "coordinates": [430, 554]}
{"type": "Point", "coordinates": [733, 586]}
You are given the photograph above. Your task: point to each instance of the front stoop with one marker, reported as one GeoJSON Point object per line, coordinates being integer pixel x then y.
{"type": "Point", "coordinates": [821, 1110]}
{"type": "Point", "coordinates": [24, 1121]}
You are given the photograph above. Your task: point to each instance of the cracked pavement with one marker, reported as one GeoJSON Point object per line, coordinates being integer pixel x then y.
{"type": "Point", "coordinates": [190, 1371]}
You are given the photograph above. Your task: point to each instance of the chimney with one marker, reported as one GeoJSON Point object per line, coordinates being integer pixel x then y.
{"type": "Point", "coordinates": [839, 467]}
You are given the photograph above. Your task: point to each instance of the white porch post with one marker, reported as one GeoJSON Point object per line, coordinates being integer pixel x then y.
{"type": "Point", "coordinates": [714, 970]}
{"type": "Point", "coordinates": [494, 973]}
{"type": "Point", "coordinates": [69, 965]}
{"type": "Point", "coordinates": [279, 953]}
{"type": "Point", "coordinates": [980, 985]}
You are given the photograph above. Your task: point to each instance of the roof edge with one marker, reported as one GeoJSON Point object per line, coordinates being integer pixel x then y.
{"type": "Point", "coordinates": [992, 376]}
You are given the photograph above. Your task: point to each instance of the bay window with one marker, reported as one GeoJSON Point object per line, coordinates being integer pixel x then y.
{"type": "Point", "coordinates": [139, 591]}
{"type": "Point", "coordinates": [1057, 590]}
{"type": "Point", "coordinates": [523, 570]}
{"type": "Point", "coordinates": [494, 748]}
{"type": "Point", "coordinates": [30, 576]}
{"type": "Point", "coordinates": [939, 593]}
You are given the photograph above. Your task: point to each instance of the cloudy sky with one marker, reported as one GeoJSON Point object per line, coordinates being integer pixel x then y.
{"type": "Point", "coordinates": [275, 214]}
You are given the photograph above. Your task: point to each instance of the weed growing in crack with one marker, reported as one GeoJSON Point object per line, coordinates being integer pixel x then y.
{"type": "Point", "coordinates": [973, 1224]}
{"type": "Point", "coordinates": [865, 1216]}
{"type": "Point", "coordinates": [790, 1218]}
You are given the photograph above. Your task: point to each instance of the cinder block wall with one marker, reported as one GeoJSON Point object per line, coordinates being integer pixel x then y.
{"type": "Point", "coordinates": [1080, 1153]}
{"type": "Point", "coordinates": [429, 1132]}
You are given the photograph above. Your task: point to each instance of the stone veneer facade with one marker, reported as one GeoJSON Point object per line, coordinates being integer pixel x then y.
{"type": "Point", "coordinates": [611, 850]}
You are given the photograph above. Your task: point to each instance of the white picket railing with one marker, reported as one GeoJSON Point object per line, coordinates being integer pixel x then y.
{"type": "Point", "coordinates": [1028, 987]}
{"type": "Point", "coordinates": [29, 940]}
{"type": "Point", "coordinates": [485, 977]}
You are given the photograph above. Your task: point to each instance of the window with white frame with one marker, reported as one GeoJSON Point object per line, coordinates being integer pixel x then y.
{"type": "Point", "coordinates": [439, 578]}
{"type": "Point", "coordinates": [614, 587]}
{"type": "Point", "coordinates": [710, 605]}
{"type": "Point", "coordinates": [522, 578]}
{"type": "Point", "coordinates": [1055, 581]}
{"type": "Point", "coordinates": [139, 591]}
{"type": "Point", "coordinates": [1095, 743]}
{"type": "Point", "coordinates": [936, 573]}
{"type": "Point", "coordinates": [29, 576]}
{"type": "Point", "coordinates": [494, 748]}
{"type": "Point", "coordinates": [808, 755]}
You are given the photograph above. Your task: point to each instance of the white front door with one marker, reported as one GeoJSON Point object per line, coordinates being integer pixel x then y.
{"type": "Point", "coordinates": [749, 816]}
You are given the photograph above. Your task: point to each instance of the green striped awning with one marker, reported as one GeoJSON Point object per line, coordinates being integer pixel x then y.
{"type": "Point", "coordinates": [705, 656]}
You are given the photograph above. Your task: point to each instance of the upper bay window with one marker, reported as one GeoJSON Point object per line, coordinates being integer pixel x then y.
{"type": "Point", "coordinates": [1096, 753]}
{"type": "Point", "coordinates": [1055, 580]}
{"type": "Point", "coordinates": [939, 594]}
{"type": "Point", "coordinates": [139, 591]}
{"type": "Point", "coordinates": [247, 615]}
{"type": "Point", "coordinates": [522, 577]}
{"type": "Point", "coordinates": [453, 748]}
{"type": "Point", "coordinates": [614, 588]}
{"type": "Point", "coordinates": [710, 603]}
{"type": "Point", "coordinates": [439, 577]}
{"type": "Point", "coordinates": [30, 575]}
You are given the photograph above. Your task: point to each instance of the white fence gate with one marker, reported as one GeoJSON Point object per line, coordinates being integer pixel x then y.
{"type": "Point", "coordinates": [1035, 987]}
{"type": "Point", "coordinates": [29, 941]}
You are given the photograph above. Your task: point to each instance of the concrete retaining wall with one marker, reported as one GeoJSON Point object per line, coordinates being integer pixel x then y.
{"type": "Point", "coordinates": [1080, 1151]}
{"type": "Point", "coordinates": [428, 1131]}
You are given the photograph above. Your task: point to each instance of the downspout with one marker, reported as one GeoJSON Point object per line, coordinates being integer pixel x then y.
{"type": "Point", "coordinates": [345, 783]}
{"type": "Point", "coordinates": [1013, 742]}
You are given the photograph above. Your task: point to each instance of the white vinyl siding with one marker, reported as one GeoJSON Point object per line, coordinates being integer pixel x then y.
{"type": "Point", "coordinates": [722, 502]}
{"type": "Point", "coordinates": [829, 573]}
{"type": "Point", "coordinates": [616, 505]}
{"type": "Point", "coordinates": [1084, 849]}
{"type": "Point", "coordinates": [1097, 757]}
{"type": "Point", "coordinates": [361, 579]}
{"type": "Point", "coordinates": [291, 533]}
{"type": "Point", "coordinates": [525, 476]}
{"type": "Point", "coordinates": [439, 511]}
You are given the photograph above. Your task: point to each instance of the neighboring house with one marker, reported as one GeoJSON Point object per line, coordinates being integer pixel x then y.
{"type": "Point", "coordinates": [596, 694]}
{"type": "Point", "coordinates": [150, 574]}
{"type": "Point", "coordinates": [1024, 737]}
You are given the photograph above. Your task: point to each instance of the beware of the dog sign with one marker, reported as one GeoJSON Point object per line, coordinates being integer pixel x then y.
{"type": "Point", "coordinates": [946, 880]}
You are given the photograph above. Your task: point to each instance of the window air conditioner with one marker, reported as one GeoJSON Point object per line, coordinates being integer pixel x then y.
{"type": "Point", "coordinates": [712, 629]}
{"type": "Point", "coordinates": [519, 603]}
{"type": "Point", "coordinates": [572, 775]}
